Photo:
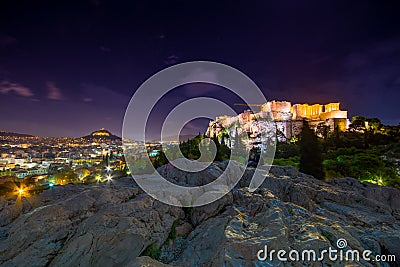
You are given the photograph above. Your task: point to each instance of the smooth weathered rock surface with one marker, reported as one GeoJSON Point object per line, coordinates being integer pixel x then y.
{"type": "Point", "coordinates": [87, 226]}
{"type": "Point", "coordinates": [111, 225]}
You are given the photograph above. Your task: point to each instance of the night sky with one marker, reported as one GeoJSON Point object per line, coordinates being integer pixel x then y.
{"type": "Point", "coordinates": [68, 69]}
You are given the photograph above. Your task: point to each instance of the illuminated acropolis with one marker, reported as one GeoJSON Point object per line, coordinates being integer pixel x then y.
{"type": "Point", "coordinates": [288, 118]}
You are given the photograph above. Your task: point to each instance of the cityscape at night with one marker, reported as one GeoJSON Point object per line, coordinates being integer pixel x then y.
{"type": "Point", "coordinates": [214, 133]}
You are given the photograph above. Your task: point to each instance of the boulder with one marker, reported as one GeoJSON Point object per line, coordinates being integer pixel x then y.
{"type": "Point", "coordinates": [105, 225]}
{"type": "Point", "coordinates": [113, 224]}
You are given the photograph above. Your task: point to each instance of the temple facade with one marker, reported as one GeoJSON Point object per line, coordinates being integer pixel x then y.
{"type": "Point", "coordinates": [289, 118]}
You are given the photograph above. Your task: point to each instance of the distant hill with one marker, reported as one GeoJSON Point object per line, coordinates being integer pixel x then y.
{"type": "Point", "coordinates": [102, 134]}
{"type": "Point", "coordinates": [4, 133]}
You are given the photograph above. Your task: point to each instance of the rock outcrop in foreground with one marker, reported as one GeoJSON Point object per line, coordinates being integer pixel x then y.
{"type": "Point", "coordinates": [119, 225]}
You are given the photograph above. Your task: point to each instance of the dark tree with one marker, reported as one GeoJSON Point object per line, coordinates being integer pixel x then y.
{"type": "Point", "coordinates": [310, 153]}
{"type": "Point", "coordinates": [218, 156]}
{"type": "Point", "coordinates": [107, 160]}
{"type": "Point", "coordinates": [161, 160]}
{"type": "Point", "coordinates": [223, 151]}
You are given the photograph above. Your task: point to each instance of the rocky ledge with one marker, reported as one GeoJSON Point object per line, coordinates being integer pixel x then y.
{"type": "Point", "coordinates": [118, 225]}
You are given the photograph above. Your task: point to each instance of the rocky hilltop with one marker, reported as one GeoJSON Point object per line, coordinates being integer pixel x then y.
{"type": "Point", "coordinates": [118, 225]}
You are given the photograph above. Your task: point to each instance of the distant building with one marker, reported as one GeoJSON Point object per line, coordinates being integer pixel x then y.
{"type": "Point", "coordinates": [288, 118]}
{"type": "Point", "coordinates": [22, 173]}
{"type": "Point", "coordinates": [102, 132]}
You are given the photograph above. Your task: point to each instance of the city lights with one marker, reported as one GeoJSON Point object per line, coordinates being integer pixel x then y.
{"type": "Point", "coordinates": [46, 162]}
{"type": "Point", "coordinates": [20, 191]}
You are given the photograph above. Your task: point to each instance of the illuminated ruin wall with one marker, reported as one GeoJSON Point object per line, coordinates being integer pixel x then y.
{"type": "Point", "coordinates": [285, 111]}
{"type": "Point", "coordinates": [289, 118]}
{"type": "Point", "coordinates": [281, 110]}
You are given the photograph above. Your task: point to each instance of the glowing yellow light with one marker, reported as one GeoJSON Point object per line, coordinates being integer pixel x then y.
{"type": "Point", "coordinates": [102, 132]}
{"type": "Point", "coordinates": [21, 191]}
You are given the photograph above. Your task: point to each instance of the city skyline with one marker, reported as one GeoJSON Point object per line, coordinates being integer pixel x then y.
{"type": "Point", "coordinates": [68, 69]}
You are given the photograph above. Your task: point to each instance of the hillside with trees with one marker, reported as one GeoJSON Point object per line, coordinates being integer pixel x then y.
{"type": "Point", "coordinates": [368, 151]}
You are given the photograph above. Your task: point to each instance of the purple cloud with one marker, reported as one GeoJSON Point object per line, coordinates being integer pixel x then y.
{"type": "Point", "coordinates": [10, 87]}
{"type": "Point", "coordinates": [54, 93]}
